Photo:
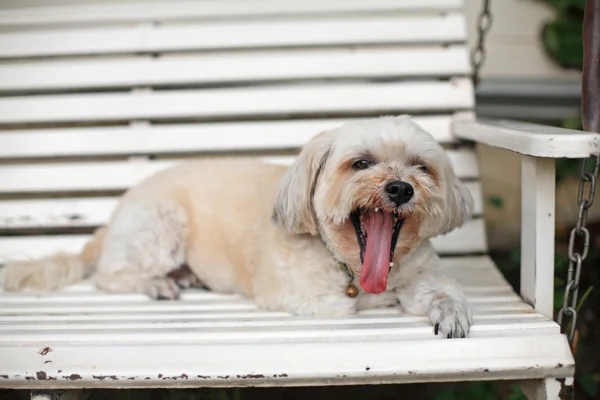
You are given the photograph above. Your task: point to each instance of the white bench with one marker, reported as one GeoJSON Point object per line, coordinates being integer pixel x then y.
{"type": "Point", "coordinates": [95, 98]}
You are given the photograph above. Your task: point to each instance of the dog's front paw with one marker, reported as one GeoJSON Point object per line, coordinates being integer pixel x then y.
{"type": "Point", "coordinates": [450, 317]}
{"type": "Point", "coordinates": [161, 289]}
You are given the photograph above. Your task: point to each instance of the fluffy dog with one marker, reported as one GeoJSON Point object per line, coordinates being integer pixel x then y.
{"type": "Point", "coordinates": [345, 228]}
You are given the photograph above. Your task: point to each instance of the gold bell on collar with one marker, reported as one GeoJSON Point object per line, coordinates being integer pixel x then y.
{"type": "Point", "coordinates": [351, 291]}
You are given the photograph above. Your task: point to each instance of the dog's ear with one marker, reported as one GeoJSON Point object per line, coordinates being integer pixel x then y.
{"type": "Point", "coordinates": [293, 208]}
{"type": "Point", "coordinates": [459, 204]}
{"type": "Point", "coordinates": [455, 208]}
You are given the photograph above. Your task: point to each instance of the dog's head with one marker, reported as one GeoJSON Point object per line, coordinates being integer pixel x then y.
{"type": "Point", "coordinates": [373, 189]}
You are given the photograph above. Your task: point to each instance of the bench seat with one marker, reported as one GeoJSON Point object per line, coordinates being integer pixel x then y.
{"type": "Point", "coordinates": [80, 337]}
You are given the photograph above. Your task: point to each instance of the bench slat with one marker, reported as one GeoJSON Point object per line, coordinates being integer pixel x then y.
{"type": "Point", "coordinates": [221, 312]}
{"type": "Point", "coordinates": [188, 10]}
{"type": "Point", "coordinates": [222, 68]}
{"type": "Point", "coordinates": [279, 364]}
{"type": "Point", "coordinates": [269, 101]}
{"type": "Point", "coordinates": [94, 296]}
{"type": "Point", "coordinates": [390, 29]}
{"type": "Point", "coordinates": [470, 238]}
{"type": "Point", "coordinates": [182, 138]}
{"type": "Point", "coordinates": [120, 175]}
{"type": "Point", "coordinates": [212, 311]}
{"type": "Point", "coordinates": [92, 212]}
{"type": "Point", "coordinates": [483, 310]}
{"type": "Point", "coordinates": [394, 331]}
{"type": "Point", "coordinates": [480, 319]}
{"type": "Point", "coordinates": [138, 302]}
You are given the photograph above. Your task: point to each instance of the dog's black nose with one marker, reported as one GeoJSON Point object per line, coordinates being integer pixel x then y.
{"type": "Point", "coordinates": [399, 192]}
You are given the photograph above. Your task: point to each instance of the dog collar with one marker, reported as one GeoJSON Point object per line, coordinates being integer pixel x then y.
{"type": "Point", "coordinates": [351, 290]}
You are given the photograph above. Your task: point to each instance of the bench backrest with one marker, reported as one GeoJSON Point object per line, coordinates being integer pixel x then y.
{"type": "Point", "coordinates": [94, 98]}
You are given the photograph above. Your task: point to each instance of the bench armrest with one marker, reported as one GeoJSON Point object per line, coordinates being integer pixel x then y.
{"type": "Point", "coordinates": [539, 146]}
{"type": "Point", "coordinates": [530, 139]}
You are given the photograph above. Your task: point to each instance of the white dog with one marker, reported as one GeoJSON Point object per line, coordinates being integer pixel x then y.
{"type": "Point", "coordinates": [345, 228]}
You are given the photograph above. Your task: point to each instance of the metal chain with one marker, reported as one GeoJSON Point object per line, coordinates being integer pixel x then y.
{"type": "Point", "coordinates": [484, 24]}
{"type": "Point", "coordinates": [576, 258]}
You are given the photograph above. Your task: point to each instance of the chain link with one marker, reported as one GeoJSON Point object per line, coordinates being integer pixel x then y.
{"type": "Point", "coordinates": [478, 55]}
{"type": "Point", "coordinates": [576, 257]}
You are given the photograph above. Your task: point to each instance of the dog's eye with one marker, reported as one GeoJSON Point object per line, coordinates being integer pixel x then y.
{"type": "Point", "coordinates": [361, 164]}
{"type": "Point", "coordinates": [423, 168]}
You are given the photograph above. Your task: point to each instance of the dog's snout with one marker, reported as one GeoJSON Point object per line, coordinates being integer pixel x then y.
{"type": "Point", "coordinates": [399, 192]}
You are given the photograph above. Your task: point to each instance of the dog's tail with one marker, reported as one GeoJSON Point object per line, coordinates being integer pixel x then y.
{"type": "Point", "coordinates": [55, 271]}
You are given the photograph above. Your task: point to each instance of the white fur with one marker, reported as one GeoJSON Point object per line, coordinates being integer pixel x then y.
{"type": "Point", "coordinates": [258, 230]}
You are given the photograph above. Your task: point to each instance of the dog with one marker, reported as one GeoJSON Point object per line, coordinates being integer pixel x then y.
{"type": "Point", "coordinates": [346, 227]}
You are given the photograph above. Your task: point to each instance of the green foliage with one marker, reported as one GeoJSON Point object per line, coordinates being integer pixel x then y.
{"type": "Point", "coordinates": [516, 393]}
{"type": "Point", "coordinates": [567, 167]}
{"type": "Point", "coordinates": [204, 394]}
{"type": "Point", "coordinates": [563, 6]}
{"type": "Point", "coordinates": [470, 391]}
{"type": "Point", "coordinates": [170, 394]}
{"type": "Point", "coordinates": [496, 201]}
{"type": "Point", "coordinates": [588, 385]}
{"type": "Point", "coordinates": [561, 37]}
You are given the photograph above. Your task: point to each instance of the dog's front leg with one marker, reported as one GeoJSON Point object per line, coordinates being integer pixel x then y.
{"type": "Point", "coordinates": [439, 298]}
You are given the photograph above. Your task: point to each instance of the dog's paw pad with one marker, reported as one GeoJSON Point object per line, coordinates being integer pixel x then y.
{"type": "Point", "coordinates": [450, 318]}
{"type": "Point", "coordinates": [161, 289]}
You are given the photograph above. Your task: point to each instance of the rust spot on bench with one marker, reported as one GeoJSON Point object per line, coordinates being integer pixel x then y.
{"type": "Point", "coordinates": [103, 377]}
{"type": "Point", "coordinates": [47, 361]}
{"type": "Point", "coordinates": [280, 376]}
{"type": "Point", "coordinates": [174, 378]}
{"type": "Point", "coordinates": [41, 375]}
{"type": "Point", "coordinates": [4, 376]}
{"type": "Point", "coordinates": [29, 378]}
{"type": "Point", "coordinates": [73, 377]}
{"type": "Point", "coordinates": [44, 351]}
{"type": "Point", "coordinates": [251, 376]}
{"type": "Point", "coordinates": [203, 377]}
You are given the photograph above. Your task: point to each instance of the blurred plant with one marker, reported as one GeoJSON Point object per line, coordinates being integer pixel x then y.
{"type": "Point", "coordinates": [561, 37]}
{"type": "Point", "coordinates": [496, 201]}
{"type": "Point", "coordinates": [168, 394]}
{"type": "Point", "coordinates": [204, 394]}
{"type": "Point", "coordinates": [516, 393]}
{"type": "Point", "coordinates": [469, 391]}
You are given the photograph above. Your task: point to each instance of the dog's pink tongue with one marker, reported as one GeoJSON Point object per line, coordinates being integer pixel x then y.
{"type": "Point", "coordinates": [376, 264]}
